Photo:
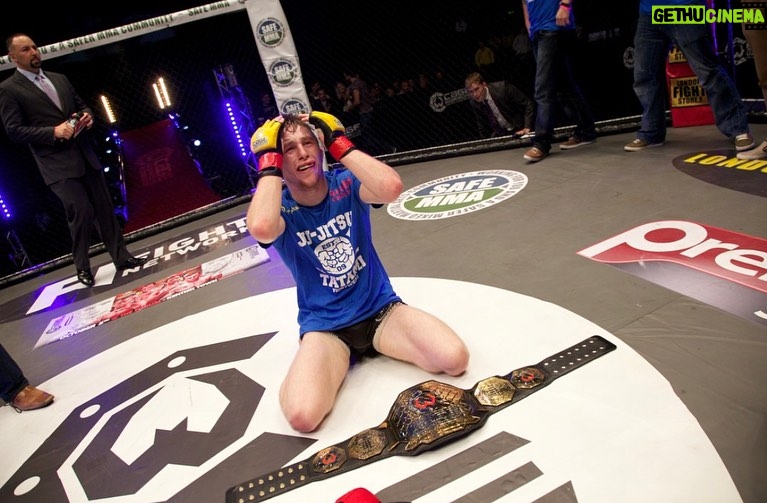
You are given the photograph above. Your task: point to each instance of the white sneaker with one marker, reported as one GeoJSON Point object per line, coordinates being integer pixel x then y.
{"type": "Point", "coordinates": [759, 152]}
{"type": "Point", "coordinates": [744, 142]}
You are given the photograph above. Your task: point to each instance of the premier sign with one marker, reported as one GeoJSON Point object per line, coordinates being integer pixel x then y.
{"type": "Point", "coordinates": [720, 253]}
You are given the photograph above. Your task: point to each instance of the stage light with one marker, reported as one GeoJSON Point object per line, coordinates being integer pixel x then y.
{"type": "Point", "coordinates": [161, 93]}
{"type": "Point", "coordinates": [4, 209]}
{"type": "Point", "coordinates": [111, 117]}
{"type": "Point", "coordinates": [237, 129]}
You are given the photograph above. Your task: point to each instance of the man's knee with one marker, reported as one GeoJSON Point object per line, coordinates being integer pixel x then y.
{"type": "Point", "coordinates": [302, 411]}
{"type": "Point", "coordinates": [457, 360]}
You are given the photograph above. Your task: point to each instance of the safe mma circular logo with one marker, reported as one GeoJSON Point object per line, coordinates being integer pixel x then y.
{"type": "Point", "coordinates": [457, 194]}
{"type": "Point", "coordinates": [283, 72]}
{"type": "Point", "coordinates": [271, 32]}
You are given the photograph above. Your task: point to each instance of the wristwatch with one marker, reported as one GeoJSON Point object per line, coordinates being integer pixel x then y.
{"type": "Point", "coordinates": [423, 417]}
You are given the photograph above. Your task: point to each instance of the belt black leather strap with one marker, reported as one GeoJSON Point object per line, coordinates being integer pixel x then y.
{"type": "Point", "coordinates": [422, 418]}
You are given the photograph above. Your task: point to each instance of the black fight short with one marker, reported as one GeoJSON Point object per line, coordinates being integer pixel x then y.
{"type": "Point", "coordinates": [359, 337]}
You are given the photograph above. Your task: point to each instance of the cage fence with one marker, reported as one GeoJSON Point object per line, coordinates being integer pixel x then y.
{"type": "Point", "coordinates": [215, 92]}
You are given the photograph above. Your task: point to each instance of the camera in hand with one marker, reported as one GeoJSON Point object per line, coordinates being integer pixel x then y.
{"type": "Point", "coordinates": [72, 121]}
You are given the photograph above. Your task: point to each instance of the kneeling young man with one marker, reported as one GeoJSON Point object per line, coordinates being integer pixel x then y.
{"type": "Point", "coordinates": [320, 226]}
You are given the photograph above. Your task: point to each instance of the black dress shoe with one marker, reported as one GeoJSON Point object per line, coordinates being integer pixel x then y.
{"type": "Point", "coordinates": [85, 277]}
{"type": "Point", "coordinates": [132, 262]}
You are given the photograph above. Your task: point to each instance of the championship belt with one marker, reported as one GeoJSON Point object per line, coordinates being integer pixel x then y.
{"type": "Point", "coordinates": [422, 418]}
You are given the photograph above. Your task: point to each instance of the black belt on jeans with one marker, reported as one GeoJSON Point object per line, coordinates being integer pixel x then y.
{"type": "Point", "coordinates": [423, 417]}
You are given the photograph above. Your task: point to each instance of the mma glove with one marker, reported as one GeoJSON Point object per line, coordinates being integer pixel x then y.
{"type": "Point", "coordinates": [267, 146]}
{"type": "Point", "coordinates": [333, 131]}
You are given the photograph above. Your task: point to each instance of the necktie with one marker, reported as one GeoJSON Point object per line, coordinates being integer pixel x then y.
{"type": "Point", "coordinates": [490, 116]}
{"type": "Point", "coordinates": [499, 118]}
{"type": "Point", "coordinates": [48, 89]}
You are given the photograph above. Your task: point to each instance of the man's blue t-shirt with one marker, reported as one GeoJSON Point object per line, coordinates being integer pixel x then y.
{"type": "Point", "coordinates": [542, 15]}
{"type": "Point", "coordinates": [329, 250]}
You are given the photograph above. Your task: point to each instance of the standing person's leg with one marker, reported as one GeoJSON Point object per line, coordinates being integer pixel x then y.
{"type": "Point", "coordinates": [651, 47]}
{"type": "Point", "coordinates": [15, 389]}
{"type": "Point", "coordinates": [544, 49]}
{"type": "Point", "coordinates": [12, 379]}
{"type": "Point", "coordinates": [757, 41]}
{"type": "Point", "coordinates": [697, 45]}
{"type": "Point", "coordinates": [79, 213]}
{"type": "Point", "coordinates": [108, 225]}
{"type": "Point", "coordinates": [571, 89]}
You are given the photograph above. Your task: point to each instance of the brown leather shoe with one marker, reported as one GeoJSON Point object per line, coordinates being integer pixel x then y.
{"type": "Point", "coordinates": [31, 398]}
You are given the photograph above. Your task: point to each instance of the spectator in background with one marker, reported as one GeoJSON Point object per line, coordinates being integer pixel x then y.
{"type": "Point", "coordinates": [499, 108]}
{"type": "Point", "coordinates": [424, 86]}
{"type": "Point", "coordinates": [551, 26]}
{"type": "Point", "coordinates": [323, 102]}
{"type": "Point", "coordinates": [484, 60]}
{"type": "Point", "coordinates": [440, 83]}
{"type": "Point", "coordinates": [313, 91]}
{"type": "Point", "coordinates": [343, 98]}
{"type": "Point", "coordinates": [757, 41]}
{"type": "Point", "coordinates": [15, 389]}
{"type": "Point", "coordinates": [267, 109]}
{"type": "Point", "coordinates": [651, 47]}
{"type": "Point", "coordinates": [362, 104]}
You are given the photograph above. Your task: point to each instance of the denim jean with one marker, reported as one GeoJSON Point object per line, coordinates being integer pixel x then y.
{"type": "Point", "coordinates": [557, 93]}
{"type": "Point", "coordinates": [12, 380]}
{"type": "Point", "coordinates": [651, 46]}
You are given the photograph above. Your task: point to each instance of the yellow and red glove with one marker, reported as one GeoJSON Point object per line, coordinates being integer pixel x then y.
{"type": "Point", "coordinates": [267, 146]}
{"type": "Point", "coordinates": [335, 141]}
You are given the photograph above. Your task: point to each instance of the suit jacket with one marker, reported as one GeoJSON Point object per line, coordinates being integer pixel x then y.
{"type": "Point", "coordinates": [514, 105]}
{"type": "Point", "coordinates": [29, 116]}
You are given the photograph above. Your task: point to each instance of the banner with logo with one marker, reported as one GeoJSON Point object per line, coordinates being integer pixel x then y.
{"type": "Point", "coordinates": [278, 55]}
{"type": "Point", "coordinates": [689, 102]}
{"type": "Point", "coordinates": [150, 294]}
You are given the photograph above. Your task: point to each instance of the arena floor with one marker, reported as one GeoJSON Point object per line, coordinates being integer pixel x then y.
{"type": "Point", "coordinates": [662, 252]}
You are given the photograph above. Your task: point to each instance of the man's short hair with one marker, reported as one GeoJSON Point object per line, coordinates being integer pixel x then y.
{"type": "Point", "coordinates": [474, 78]}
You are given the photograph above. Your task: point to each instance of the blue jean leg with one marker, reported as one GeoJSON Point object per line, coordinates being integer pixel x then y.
{"type": "Point", "coordinates": [696, 43]}
{"type": "Point", "coordinates": [651, 46]}
{"type": "Point", "coordinates": [12, 380]}
{"type": "Point", "coordinates": [556, 88]}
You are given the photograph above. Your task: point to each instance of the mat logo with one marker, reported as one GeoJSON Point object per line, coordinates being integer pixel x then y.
{"type": "Point", "coordinates": [723, 168]}
{"type": "Point", "coordinates": [723, 256]}
{"type": "Point", "coordinates": [271, 32]}
{"type": "Point", "coordinates": [457, 194]}
{"type": "Point", "coordinates": [184, 412]}
{"type": "Point", "coordinates": [719, 252]}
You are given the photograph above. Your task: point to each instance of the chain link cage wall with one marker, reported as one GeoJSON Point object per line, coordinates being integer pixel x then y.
{"type": "Point", "coordinates": [414, 60]}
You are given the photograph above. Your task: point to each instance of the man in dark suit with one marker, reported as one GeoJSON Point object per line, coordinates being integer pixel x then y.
{"type": "Point", "coordinates": [36, 109]}
{"type": "Point", "coordinates": [499, 107]}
